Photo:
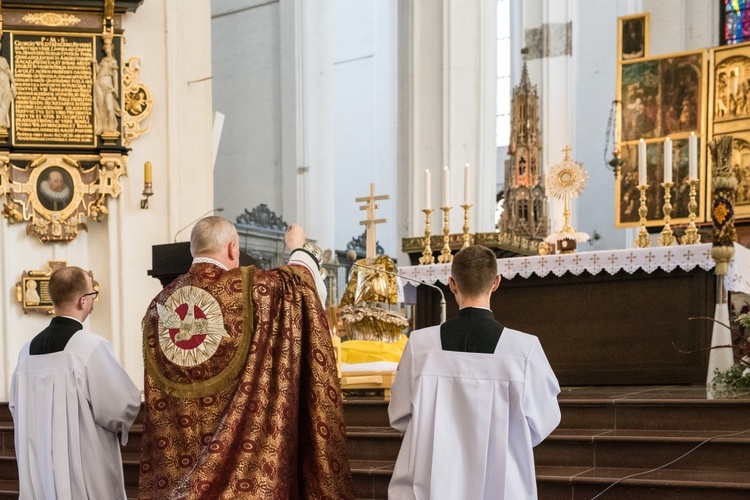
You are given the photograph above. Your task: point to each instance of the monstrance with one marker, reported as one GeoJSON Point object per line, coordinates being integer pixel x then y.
{"type": "Point", "coordinates": [565, 180]}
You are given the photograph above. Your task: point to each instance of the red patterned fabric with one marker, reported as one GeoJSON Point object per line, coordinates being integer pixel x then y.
{"type": "Point", "coordinates": [258, 416]}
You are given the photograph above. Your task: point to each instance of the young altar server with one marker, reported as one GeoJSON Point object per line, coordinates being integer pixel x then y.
{"type": "Point", "coordinates": [473, 398]}
{"type": "Point", "coordinates": [69, 398]}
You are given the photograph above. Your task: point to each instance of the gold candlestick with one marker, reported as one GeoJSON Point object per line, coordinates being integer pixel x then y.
{"type": "Point", "coordinates": [643, 240]}
{"type": "Point", "coordinates": [445, 253]}
{"type": "Point", "coordinates": [467, 236]}
{"type": "Point", "coordinates": [667, 236]}
{"type": "Point", "coordinates": [427, 257]}
{"type": "Point", "coordinates": [691, 236]}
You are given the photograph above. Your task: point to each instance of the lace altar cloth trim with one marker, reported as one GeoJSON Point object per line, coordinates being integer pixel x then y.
{"type": "Point", "coordinates": [686, 257]}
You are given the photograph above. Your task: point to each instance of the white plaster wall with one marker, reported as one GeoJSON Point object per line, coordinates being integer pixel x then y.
{"type": "Point", "coordinates": [172, 40]}
{"type": "Point", "coordinates": [364, 86]}
{"type": "Point", "coordinates": [246, 48]}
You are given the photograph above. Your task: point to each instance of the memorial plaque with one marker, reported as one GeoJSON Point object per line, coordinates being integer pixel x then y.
{"type": "Point", "coordinates": [69, 109]}
{"type": "Point", "coordinates": [54, 101]}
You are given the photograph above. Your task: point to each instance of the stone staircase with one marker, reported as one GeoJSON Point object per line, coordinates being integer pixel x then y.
{"type": "Point", "coordinates": [606, 434]}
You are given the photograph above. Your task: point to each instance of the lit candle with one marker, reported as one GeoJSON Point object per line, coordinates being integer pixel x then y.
{"type": "Point", "coordinates": [466, 184]}
{"type": "Point", "coordinates": [642, 162]}
{"type": "Point", "coordinates": [446, 187]}
{"type": "Point", "coordinates": [693, 156]}
{"type": "Point", "coordinates": [147, 172]}
{"type": "Point", "coordinates": [668, 160]}
{"type": "Point", "coordinates": [427, 192]}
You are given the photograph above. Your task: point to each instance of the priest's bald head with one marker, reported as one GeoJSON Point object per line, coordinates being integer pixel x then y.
{"type": "Point", "coordinates": [474, 276]}
{"type": "Point", "coordinates": [216, 238]}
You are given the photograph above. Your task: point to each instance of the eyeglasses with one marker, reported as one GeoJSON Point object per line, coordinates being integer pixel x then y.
{"type": "Point", "coordinates": [95, 293]}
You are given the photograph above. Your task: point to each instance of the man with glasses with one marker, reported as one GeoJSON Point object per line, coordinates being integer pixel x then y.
{"type": "Point", "coordinates": [69, 398]}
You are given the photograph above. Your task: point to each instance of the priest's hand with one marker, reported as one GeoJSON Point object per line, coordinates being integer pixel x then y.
{"type": "Point", "coordinates": [295, 237]}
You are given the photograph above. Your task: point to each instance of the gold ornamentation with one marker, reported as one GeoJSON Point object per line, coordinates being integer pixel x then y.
{"type": "Point", "coordinates": [466, 235]}
{"type": "Point", "coordinates": [643, 240]}
{"type": "Point", "coordinates": [138, 102]}
{"type": "Point", "coordinates": [667, 236]}
{"type": "Point", "coordinates": [427, 257]}
{"type": "Point", "coordinates": [56, 193]}
{"type": "Point", "coordinates": [565, 180]}
{"type": "Point", "coordinates": [191, 326]}
{"type": "Point", "coordinates": [51, 19]}
{"type": "Point", "coordinates": [691, 236]}
{"type": "Point", "coordinates": [445, 254]}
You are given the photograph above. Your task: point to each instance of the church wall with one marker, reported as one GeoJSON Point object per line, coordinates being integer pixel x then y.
{"type": "Point", "coordinates": [246, 49]}
{"type": "Point", "coordinates": [364, 61]}
{"type": "Point", "coordinates": [172, 40]}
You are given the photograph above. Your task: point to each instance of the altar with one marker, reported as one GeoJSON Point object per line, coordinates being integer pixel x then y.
{"type": "Point", "coordinates": [606, 318]}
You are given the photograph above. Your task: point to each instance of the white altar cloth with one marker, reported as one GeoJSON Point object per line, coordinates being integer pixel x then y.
{"type": "Point", "coordinates": [685, 257]}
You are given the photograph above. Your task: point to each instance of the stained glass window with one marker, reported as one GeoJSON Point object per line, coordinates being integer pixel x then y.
{"type": "Point", "coordinates": [735, 21]}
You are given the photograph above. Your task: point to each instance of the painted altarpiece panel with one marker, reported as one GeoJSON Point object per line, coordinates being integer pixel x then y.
{"type": "Point", "coordinates": [659, 97]}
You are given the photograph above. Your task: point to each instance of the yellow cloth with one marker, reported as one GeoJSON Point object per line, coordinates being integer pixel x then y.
{"type": "Point", "coordinates": [367, 351]}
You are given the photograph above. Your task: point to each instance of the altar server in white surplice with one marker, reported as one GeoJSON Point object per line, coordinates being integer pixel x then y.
{"type": "Point", "coordinates": [69, 398]}
{"type": "Point", "coordinates": [473, 398]}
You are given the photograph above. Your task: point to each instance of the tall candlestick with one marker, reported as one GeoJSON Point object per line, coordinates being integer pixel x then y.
{"type": "Point", "coordinates": [466, 184]}
{"type": "Point", "coordinates": [427, 190]}
{"type": "Point", "coordinates": [147, 172]}
{"type": "Point", "coordinates": [668, 160]}
{"type": "Point", "coordinates": [693, 156]}
{"type": "Point", "coordinates": [642, 163]}
{"type": "Point", "coordinates": [446, 187]}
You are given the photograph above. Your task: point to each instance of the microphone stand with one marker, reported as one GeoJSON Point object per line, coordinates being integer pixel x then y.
{"type": "Point", "coordinates": [421, 282]}
{"type": "Point", "coordinates": [219, 209]}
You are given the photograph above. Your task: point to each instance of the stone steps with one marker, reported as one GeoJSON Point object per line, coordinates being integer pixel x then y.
{"type": "Point", "coordinates": [605, 435]}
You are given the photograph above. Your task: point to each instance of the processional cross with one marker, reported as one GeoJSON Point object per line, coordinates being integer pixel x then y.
{"type": "Point", "coordinates": [371, 221]}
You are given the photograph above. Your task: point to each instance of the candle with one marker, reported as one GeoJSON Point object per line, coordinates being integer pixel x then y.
{"type": "Point", "coordinates": [466, 184]}
{"type": "Point", "coordinates": [147, 172]}
{"type": "Point", "coordinates": [642, 162]}
{"type": "Point", "coordinates": [693, 156]}
{"type": "Point", "coordinates": [668, 160]}
{"type": "Point", "coordinates": [446, 187]}
{"type": "Point", "coordinates": [427, 193]}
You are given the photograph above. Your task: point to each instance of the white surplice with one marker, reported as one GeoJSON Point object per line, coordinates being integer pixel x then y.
{"type": "Point", "coordinates": [67, 408]}
{"type": "Point", "coordinates": [471, 419]}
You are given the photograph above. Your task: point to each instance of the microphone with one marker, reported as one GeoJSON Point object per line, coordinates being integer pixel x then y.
{"type": "Point", "coordinates": [217, 209]}
{"type": "Point", "coordinates": [351, 256]}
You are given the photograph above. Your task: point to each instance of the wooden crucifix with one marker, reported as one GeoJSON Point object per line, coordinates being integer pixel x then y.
{"type": "Point", "coordinates": [370, 221]}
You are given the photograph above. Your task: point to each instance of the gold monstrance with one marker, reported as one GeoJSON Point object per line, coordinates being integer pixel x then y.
{"type": "Point", "coordinates": [565, 180]}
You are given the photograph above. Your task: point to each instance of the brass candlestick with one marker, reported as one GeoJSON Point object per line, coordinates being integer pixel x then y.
{"type": "Point", "coordinates": [691, 236]}
{"type": "Point", "coordinates": [427, 257]}
{"type": "Point", "coordinates": [643, 240]}
{"type": "Point", "coordinates": [667, 236]}
{"type": "Point", "coordinates": [445, 254]}
{"type": "Point", "coordinates": [467, 236]}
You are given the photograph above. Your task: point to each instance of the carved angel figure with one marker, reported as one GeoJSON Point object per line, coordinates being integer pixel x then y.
{"type": "Point", "coordinates": [7, 91]}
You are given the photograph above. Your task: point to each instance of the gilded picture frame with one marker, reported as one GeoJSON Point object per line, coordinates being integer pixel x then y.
{"type": "Point", "coordinates": [633, 37]}
{"type": "Point", "coordinates": [729, 114]}
{"type": "Point", "coordinates": [659, 97]}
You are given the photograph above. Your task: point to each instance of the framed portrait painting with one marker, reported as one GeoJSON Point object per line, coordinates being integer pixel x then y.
{"type": "Point", "coordinates": [632, 39]}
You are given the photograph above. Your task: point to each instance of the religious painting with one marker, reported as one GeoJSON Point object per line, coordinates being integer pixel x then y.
{"type": "Point", "coordinates": [632, 40]}
{"type": "Point", "coordinates": [729, 114]}
{"type": "Point", "coordinates": [628, 194]}
{"type": "Point", "coordinates": [639, 90]}
{"type": "Point", "coordinates": [681, 90]}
